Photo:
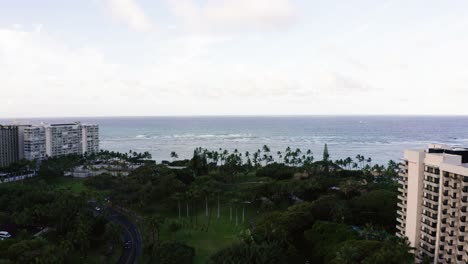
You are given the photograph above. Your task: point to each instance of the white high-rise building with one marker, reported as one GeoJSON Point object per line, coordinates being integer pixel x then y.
{"type": "Point", "coordinates": [63, 139]}
{"type": "Point", "coordinates": [34, 143]}
{"type": "Point", "coordinates": [90, 138]}
{"type": "Point", "coordinates": [433, 203]}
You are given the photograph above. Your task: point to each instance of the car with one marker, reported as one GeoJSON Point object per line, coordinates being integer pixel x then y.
{"type": "Point", "coordinates": [97, 208]}
{"type": "Point", "coordinates": [4, 234]}
{"type": "Point", "coordinates": [128, 245]}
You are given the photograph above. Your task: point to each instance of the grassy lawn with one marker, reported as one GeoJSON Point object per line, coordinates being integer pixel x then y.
{"type": "Point", "coordinates": [221, 233]}
{"type": "Point", "coordinates": [75, 185]}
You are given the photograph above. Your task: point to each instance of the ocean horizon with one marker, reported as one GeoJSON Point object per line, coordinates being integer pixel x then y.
{"type": "Point", "coordinates": [380, 137]}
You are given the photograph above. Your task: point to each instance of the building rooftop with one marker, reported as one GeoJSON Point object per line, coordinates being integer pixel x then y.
{"type": "Point", "coordinates": [446, 149]}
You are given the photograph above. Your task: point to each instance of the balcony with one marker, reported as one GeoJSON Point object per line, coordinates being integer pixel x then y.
{"type": "Point", "coordinates": [426, 249]}
{"type": "Point", "coordinates": [464, 181]}
{"type": "Point", "coordinates": [433, 191]}
{"type": "Point", "coordinates": [431, 226]}
{"type": "Point", "coordinates": [463, 213]}
{"type": "Point", "coordinates": [401, 213]}
{"type": "Point", "coordinates": [400, 221]}
{"type": "Point", "coordinates": [431, 216]}
{"type": "Point", "coordinates": [464, 199]}
{"type": "Point", "coordinates": [430, 200]}
{"type": "Point", "coordinates": [401, 198]}
{"type": "Point", "coordinates": [431, 208]}
{"type": "Point", "coordinates": [401, 181]}
{"type": "Point", "coordinates": [450, 247]}
{"type": "Point", "coordinates": [401, 229]}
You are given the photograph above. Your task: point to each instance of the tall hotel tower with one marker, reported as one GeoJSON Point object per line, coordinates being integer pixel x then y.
{"type": "Point", "coordinates": [433, 201]}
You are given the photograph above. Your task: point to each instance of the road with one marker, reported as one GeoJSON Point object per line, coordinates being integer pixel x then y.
{"type": "Point", "coordinates": [130, 233]}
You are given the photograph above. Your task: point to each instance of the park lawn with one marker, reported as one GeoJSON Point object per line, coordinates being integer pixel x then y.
{"type": "Point", "coordinates": [75, 185]}
{"type": "Point", "coordinates": [222, 232]}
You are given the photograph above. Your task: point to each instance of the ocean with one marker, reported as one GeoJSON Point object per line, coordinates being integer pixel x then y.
{"type": "Point", "coordinates": [380, 137]}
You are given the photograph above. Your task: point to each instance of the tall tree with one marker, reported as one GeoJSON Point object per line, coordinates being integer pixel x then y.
{"type": "Point", "coordinates": [326, 155]}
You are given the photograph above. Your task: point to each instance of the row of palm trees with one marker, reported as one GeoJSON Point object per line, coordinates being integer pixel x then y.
{"type": "Point", "coordinates": [131, 156]}
{"type": "Point", "coordinates": [361, 162]}
{"type": "Point", "coordinates": [188, 204]}
{"type": "Point", "coordinates": [263, 156]}
{"type": "Point", "coordinates": [290, 157]}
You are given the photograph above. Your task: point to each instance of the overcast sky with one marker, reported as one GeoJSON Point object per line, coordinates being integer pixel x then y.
{"type": "Point", "coordinates": [232, 57]}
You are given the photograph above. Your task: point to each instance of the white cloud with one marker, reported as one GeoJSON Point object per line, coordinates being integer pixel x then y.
{"type": "Point", "coordinates": [43, 76]}
{"type": "Point", "coordinates": [129, 12]}
{"type": "Point", "coordinates": [227, 16]}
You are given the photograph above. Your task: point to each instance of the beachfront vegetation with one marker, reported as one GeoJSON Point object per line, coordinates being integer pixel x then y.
{"type": "Point", "coordinates": [261, 207]}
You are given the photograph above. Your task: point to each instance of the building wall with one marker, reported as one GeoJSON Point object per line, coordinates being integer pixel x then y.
{"type": "Point", "coordinates": [9, 148]}
{"type": "Point", "coordinates": [63, 139]}
{"type": "Point", "coordinates": [414, 197]}
{"type": "Point", "coordinates": [433, 208]}
{"type": "Point", "coordinates": [90, 139]}
{"type": "Point", "coordinates": [34, 143]}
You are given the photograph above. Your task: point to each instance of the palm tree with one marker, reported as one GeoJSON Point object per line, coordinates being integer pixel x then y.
{"type": "Point", "coordinates": [348, 162]}
{"type": "Point", "coordinates": [280, 156]}
{"type": "Point", "coordinates": [178, 197]}
{"type": "Point", "coordinates": [174, 155]}
{"type": "Point", "coordinates": [256, 158]}
{"type": "Point", "coordinates": [154, 224]}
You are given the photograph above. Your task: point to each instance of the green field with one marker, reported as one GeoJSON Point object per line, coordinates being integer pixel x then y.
{"type": "Point", "coordinates": [221, 233]}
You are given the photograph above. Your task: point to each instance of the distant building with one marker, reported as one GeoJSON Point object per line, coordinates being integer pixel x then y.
{"type": "Point", "coordinates": [38, 142]}
{"type": "Point", "coordinates": [433, 203]}
{"type": "Point", "coordinates": [9, 146]}
{"type": "Point", "coordinates": [34, 143]}
{"type": "Point", "coordinates": [90, 139]}
{"type": "Point", "coordinates": [63, 139]}
{"type": "Point", "coordinates": [72, 138]}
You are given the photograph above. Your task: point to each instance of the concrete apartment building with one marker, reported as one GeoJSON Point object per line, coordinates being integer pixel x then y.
{"type": "Point", "coordinates": [90, 138]}
{"type": "Point", "coordinates": [38, 142]}
{"type": "Point", "coordinates": [63, 139]}
{"type": "Point", "coordinates": [9, 145]}
{"type": "Point", "coordinates": [34, 143]}
{"type": "Point", "coordinates": [433, 203]}
{"type": "Point", "coordinates": [72, 138]}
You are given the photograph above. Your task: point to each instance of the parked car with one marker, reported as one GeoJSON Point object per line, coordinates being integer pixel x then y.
{"type": "Point", "coordinates": [97, 208]}
{"type": "Point", "coordinates": [4, 234]}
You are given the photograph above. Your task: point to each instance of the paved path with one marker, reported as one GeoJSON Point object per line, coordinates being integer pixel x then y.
{"type": "Point", "coordinates": [130, 233]}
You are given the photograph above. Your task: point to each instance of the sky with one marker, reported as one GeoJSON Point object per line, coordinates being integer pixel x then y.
{"type": "Point", "coordinates": [233, 57]}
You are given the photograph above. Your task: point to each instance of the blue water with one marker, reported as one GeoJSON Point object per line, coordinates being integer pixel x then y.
{"type": "Point", "coordinates": [381, 138]}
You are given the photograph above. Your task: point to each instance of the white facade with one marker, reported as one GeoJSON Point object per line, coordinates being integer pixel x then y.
{"type": "Point", "coordinates": [433, 203]}
{"type": "Point", "coordinates": [34, 143]}
{"type": "Point", "coordinates": [63, 139]}
{"type": "Point", "coordinates": [90, 138]}
{"type": "Point", "coordinates": [38, 142]}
